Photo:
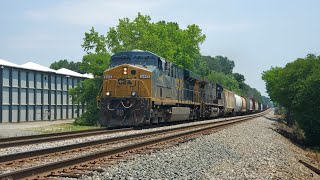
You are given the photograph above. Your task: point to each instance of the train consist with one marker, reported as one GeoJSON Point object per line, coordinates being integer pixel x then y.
{"type": "Point", "coordinates": [142, 88]}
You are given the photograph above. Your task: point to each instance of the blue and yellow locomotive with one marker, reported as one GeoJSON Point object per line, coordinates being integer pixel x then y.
{"type": "Point", "coordinates": [142, 88]}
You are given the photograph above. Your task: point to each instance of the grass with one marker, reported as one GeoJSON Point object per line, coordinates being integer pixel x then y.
{"type": "Point", "coordinates": [61, 128]}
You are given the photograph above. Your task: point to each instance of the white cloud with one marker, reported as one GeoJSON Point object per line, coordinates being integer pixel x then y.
{"type": "Point", "coordinates": [99, 12]}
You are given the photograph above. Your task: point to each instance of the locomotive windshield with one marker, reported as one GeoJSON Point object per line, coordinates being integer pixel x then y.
{"type": "Point", "coordinates": [117, 60]}
{"type": "Point", "coordinates": [136, 60]}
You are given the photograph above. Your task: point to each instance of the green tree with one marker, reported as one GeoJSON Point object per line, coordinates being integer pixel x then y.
{"type": "Point", "coordinates": [205, 64]}
{"type": "Point", "coordinates": [74, 66]}
{"type": "Point", "coordinates": [306, 107]}
{"type": "Point", "coordinates": [92, 41]}
{"type": "Point", "coordinates": [226, 66]}
{"type": "Point", "coordinates": [296, 87]}
{"type": "Point", "coordinates": [166, 39]}
{"type": "Point", "coordinates": [227, 81]}
{"type": "Point", "coordinates": [201, 65]}
{"type": "Point", "coordinates": [273, 79]}
{"type": "Point", "coordinates": [239, 77]}
{"type": "Point", "coordinates": [60, 64]}
{"type": "Point", "coordinates": [95, 63]}
{"type": "Point", "coordinates": [87, 91]}
{"type": "Point", "coordinates": [219, 69]}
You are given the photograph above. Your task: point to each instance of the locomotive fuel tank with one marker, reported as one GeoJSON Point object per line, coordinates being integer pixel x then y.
{"type": "Point", "coordinates": [179, 113]}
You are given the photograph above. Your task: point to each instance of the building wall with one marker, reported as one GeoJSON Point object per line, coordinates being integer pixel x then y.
{"type": "Point", "coordinates": [28, 95]}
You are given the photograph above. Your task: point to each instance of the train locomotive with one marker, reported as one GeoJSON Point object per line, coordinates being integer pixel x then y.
{"type": "Point", "coordinates": [142, 88]}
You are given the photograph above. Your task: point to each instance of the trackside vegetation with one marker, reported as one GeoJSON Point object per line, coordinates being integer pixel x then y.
{"type": "Point", "coordinates": [296, 87]}
{"type": "Point", "coordinates": [167, 39]}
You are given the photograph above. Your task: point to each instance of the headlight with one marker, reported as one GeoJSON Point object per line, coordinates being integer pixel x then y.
{"type": "Point", "coordinates": [108, 93]}
{"type": "Point", "coordinates": [133, 93]}
{"type": "Point", "coordinates": [125, 71]}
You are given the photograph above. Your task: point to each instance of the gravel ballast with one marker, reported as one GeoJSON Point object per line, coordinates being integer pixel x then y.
{"type": "Point", "coordinates": [250, 150]}
{"type": "Point", "coordinates": [12, 150]}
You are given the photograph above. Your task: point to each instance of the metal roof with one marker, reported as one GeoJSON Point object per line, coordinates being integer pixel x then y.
{"type": "Point", "coordinates": [7, 63]}
{"type": "Point", "coordinates": [86, 75]}
{"type": "Point", "coordinates": [73, 73]}
{"type": "Point", "coordinates": [68, 72]}
{"type": "Point", "coordinates": [37, 67]}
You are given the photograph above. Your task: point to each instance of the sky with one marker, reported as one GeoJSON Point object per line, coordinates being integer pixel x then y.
{"type": "Point", "coordinates": [255, 34]}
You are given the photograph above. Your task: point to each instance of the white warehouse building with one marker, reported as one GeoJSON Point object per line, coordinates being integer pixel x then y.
{"type": "Point", "coordinates": [31, 92]}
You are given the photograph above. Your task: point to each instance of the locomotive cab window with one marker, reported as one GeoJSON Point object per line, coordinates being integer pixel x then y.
{"type": "Point", "coordinates": [172, 71]}
{"type": "Point", "coordinates": [175, 71]}
{"type": "Point", "coordinates": [166, 66]}
{"type": "Point", "coordinates": [219, 95]}
{"type": "Point", "coordinates": [159, 64]}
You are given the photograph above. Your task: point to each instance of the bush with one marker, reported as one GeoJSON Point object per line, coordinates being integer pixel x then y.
{"type": "Point", "coordinates": [90, 117]}
{"type": "Point", "coordinates": [86, 93]}
{"type": "Point", "coordinates": [296, 87]}
{"type": "Point", "coordinates": [307, 108]}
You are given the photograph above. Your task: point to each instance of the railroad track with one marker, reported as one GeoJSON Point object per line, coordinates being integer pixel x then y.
{"type": "Point", "coordinates": [79, 164]}
{"type": "Point", "coordinates": [42, 138]}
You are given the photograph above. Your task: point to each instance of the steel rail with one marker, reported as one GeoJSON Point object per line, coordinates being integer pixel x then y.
{"type": "Point", "coordinates": [64, 136]}
{"type": "Point", "coordinates": [309, 166]}
{"type": "Point", "coordinates": [9, 139]}
{"type": "Point", "coordinates": [47, 168]}
{"type": "Point", "coordinates": [29, 154]}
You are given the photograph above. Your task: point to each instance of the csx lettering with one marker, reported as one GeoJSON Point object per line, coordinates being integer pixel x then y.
{"type": "Point", "coordinates": [124, 81]}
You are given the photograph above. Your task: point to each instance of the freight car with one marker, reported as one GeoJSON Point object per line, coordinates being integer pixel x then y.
{"type": "Point", "coordinates": [249, 105]}
{"type": "Point", "coordinates": [142, 88]}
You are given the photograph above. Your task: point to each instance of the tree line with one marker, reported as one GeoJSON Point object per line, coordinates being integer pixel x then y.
{"type": "Point", "coordinates": [296, 87]}
{"type": "Point", "coordinates": [167, 39]}
{"type": "Point", "coordinates": [220, 69]}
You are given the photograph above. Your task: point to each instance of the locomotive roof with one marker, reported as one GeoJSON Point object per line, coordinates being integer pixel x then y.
{"type": "Point", "coordinates": [128, 65]}
{"type": "Point", "coordinates": [136, 53]}
{"type": "Point", "coordinates": [133, 53]}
